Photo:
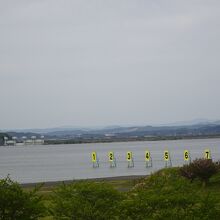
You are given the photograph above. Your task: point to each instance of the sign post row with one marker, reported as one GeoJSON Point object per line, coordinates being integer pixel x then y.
{"type": "Point", "coordinates": [167, 159]}
{"type": "Point", "coordinates": [112, 160]}
{"type": "Point", "coordinates": [148, 159]}
{"type": "Point", "coordinates": [130, 159]}
{"type": "Point", "coordinates": [95, 160]}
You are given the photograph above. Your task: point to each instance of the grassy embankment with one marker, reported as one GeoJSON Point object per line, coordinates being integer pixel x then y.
{"type": "Point", "coordinates": [122, 185]}
{"type": "Point", "coordinates": [166, 186]}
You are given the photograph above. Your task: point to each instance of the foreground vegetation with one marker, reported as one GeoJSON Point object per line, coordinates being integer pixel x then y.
{"type": "Point", "coordinates": [190, 192]}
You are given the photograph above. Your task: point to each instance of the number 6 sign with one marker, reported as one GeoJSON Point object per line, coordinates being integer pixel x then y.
{"type": "Point", "coordinates": [186, 155]}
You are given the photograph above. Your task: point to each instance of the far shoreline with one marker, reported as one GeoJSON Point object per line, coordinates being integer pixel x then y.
{"type": "Point", "coordinates": [126, 140]}
{"type": "Point", "coordinates": [100, 179]}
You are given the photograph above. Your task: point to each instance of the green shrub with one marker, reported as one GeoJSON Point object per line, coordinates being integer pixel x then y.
{"type": "Point", "coordinates": [16, 204]}
{"type": "Point", "coordinates": [202, 169]}
{"type": "Point", "coordinates": [85, 201]}
{"type": "Point", "coordinates": [188, 172]}
{"type": "Point", "coordinates": [167, 195]}
{"type": "Point", "coordinates": [176, 206]}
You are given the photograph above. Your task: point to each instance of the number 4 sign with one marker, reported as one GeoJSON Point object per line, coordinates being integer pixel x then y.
{"type": "Point", "coordinates": [130, 159]}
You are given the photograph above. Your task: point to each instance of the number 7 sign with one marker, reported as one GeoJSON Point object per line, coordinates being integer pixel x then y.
{"type": "Point", "coordinates": [207, 154]}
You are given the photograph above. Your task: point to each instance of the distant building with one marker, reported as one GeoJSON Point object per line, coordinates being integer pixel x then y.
{"type": "Point", "coordinates": [109, 135]}
{"type": "Point", "coordinates": [24, 140]}
{"type": "Point", "coordinates": [5, 140]}
{"type": "Point", "coordinates": [39, 141]}
{"type": "Point", "coordinates": [34, 141]}
{"type": "Point", "coordinates": [10, 143]}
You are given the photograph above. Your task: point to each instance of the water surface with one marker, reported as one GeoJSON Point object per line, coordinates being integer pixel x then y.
{"type": "Point", "coordinates": [28, 164]}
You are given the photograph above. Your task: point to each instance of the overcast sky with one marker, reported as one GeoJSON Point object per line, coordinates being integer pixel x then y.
{"type": "Point", "coordinates": [89, 63]}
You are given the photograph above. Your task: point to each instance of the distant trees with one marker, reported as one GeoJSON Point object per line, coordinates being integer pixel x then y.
{"type": "Point", "coordinates": [16, 204]}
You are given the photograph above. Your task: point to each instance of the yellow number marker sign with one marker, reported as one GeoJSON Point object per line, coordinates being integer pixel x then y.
{"type": "Point", "coordinates": [94, 157]}
{"type": "Point", "coordinates": [207, 154]}
{"type": "Point", "coordinates": [111, 156]}
{"type": "Point", "coordinates": [166, 155]}
{"type": "Point", "coordinates": [129, 156]}
{"type": "Point", "coordinates": [186, 155]}
{"type": "Point", "coordinates": [147, 155]}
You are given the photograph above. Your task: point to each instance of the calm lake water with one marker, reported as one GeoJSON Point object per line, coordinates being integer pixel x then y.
{"type": "Point", "coordinates": [27, 164]}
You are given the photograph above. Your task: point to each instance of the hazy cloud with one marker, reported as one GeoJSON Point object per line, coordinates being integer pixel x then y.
{"type": "Point", "coordinates": [108, 62]}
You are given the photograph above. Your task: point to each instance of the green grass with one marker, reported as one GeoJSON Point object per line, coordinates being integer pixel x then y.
{"type": "Point", "coordinates": [47, 191]}
{"type": "Point", "coordinates": [121, 185]}
{"type": "Point", "coordinates": [164, 182]}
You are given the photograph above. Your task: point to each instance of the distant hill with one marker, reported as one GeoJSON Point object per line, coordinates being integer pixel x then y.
{"type": "Point", "coordinates": [184, 130]}
{"type": "Point", "coordinates": [19, 135]}
{"type": "Point", "coordinates": [203, 128]}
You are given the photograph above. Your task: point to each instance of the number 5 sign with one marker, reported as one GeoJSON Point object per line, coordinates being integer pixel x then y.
{"type": "Point", "coordinates": [166, 155]}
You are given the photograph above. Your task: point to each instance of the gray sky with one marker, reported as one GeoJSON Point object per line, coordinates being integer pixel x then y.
{"type": "Point", "coordinates": [89, 62]}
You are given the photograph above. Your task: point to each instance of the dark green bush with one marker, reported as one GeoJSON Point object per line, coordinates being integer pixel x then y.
{"type": "Point", "coordinates": [176, 206]}
{"type": "Point", "coordinates": [202, 169]}
{"type": "Point", "coordinates": [163, 195]}
{"type": "Point", "coordinates": [188, 172]}
{"type": "Point", "coordinates": [167, 195]}
{"type": "Point", "coordinates": [16, 204]}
